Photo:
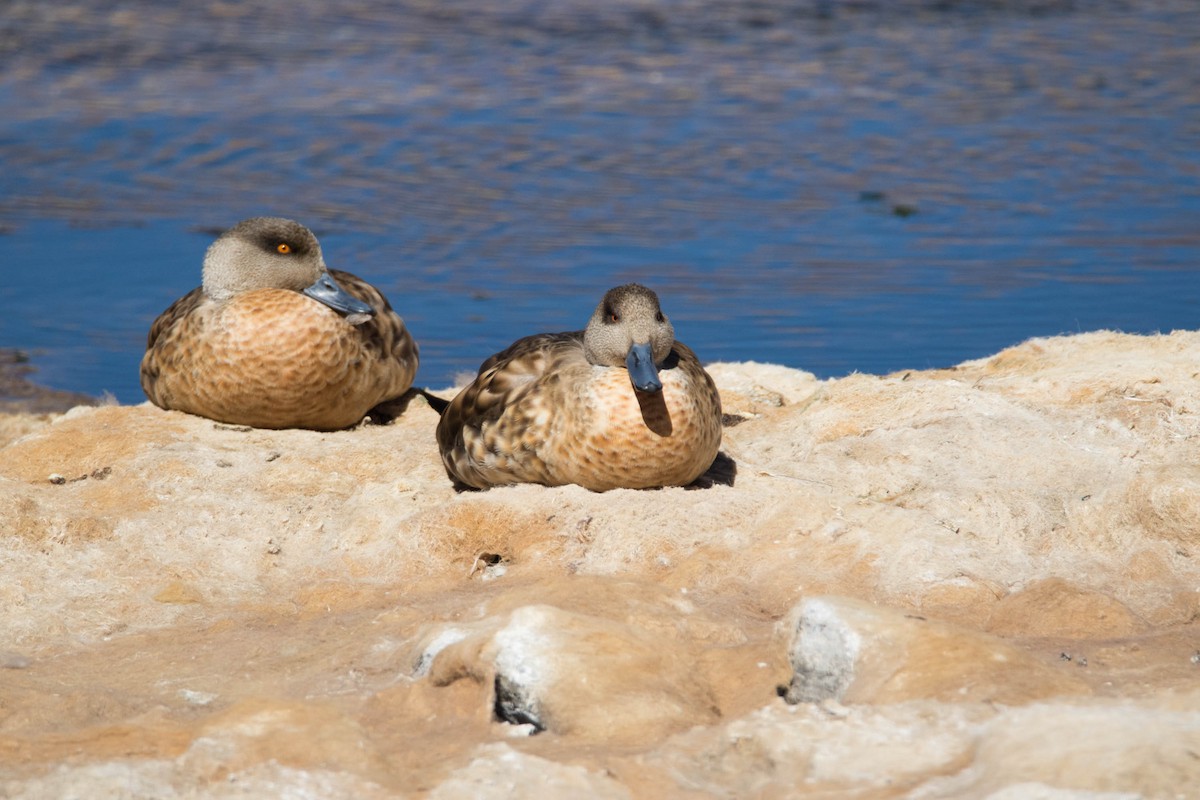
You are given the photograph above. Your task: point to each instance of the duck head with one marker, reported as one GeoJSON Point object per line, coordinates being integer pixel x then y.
{"type": "Point", "coordinates": [629, 329]}
{"type": "Point", "coordinates": [275, 253]}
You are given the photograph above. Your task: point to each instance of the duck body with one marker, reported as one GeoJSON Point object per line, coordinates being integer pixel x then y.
{"type": "Point", "coordinates": [544, 411]}
{"type": "Point", "coordinates": [319, 352]}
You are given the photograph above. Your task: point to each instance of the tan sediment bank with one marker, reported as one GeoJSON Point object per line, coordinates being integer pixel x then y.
{"type": "Point", "coordinates": [979, 582]}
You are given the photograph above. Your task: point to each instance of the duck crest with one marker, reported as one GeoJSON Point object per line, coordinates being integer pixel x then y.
{"type": "Point", "coordinates": [620, 404]}
{"type": "Point", "coordinates": [275, 339]}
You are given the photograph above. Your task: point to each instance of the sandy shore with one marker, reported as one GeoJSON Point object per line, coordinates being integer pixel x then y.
{"type": "Point", "coordinates": [981, 582]}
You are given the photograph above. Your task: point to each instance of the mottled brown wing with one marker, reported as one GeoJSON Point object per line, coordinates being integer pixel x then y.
{"type": "Point", "coordinates": [180, 308]}
{"type": "Point", "coordinates": [385, 332]}
{"type": "Point", "coordinates": [502, 380]}
{"type": "Point", "coordinates": [531, 344]}
{"type": "Point", "coordinates": [160, 343]}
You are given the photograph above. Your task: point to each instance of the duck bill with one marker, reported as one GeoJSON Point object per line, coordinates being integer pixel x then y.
{"type": "Point", "coordinates": [642, 372]}
{"type": "Point", "coordinates": [327, 291]}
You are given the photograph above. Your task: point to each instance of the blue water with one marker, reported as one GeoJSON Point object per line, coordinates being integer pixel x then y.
{"type": "Point", "coordinates": [854, 187]}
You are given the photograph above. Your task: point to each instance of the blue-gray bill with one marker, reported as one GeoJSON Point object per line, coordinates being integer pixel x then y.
{"type": "Point", "coordinates": [326, 290]}
{"type": "Point", "coordinates": [642, 372]}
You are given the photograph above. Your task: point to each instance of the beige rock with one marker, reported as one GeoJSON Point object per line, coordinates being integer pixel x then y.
{"type": "Point", "coordinates": [566, 673]}
{"type": "Point", "coordinates": [822, 750]}
{"type": "Point", "coordinates": [1054, 607]}
{"type": "Point", "coordinates": [926, 750]}
{"type": "Point", "coordinates": [165, 780]}
{"type": "Point", "coordinates": [498, 771]}
{"type": "Point", "coordinates": [1112, 749]}
{"type": "Point", "coordinates": [854, 652]}
{"type": "Point", "coordinates": [197, 610]}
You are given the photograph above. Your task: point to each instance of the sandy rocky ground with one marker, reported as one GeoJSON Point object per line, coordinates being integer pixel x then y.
{"type": "Point", "coordinates": [979, 582]}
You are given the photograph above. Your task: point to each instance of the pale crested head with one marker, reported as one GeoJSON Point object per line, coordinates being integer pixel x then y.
{"type": "Point", "coordinates": [629, 329]}
{"type": "Point", "coordinates": [262, 253]}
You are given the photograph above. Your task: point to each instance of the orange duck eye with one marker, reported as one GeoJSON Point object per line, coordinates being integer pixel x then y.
{"type": "Point", "coordinates": [283, 248]}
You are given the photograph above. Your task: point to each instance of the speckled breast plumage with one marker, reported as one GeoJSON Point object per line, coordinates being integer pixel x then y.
{"type": "Point", "coordinates": [550, 417]}
{"type": "Point", "coordinates": [273, 358]}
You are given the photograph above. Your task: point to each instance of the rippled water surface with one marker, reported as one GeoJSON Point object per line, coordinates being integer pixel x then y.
{"type": "Point", "coordinates": [835, 186]}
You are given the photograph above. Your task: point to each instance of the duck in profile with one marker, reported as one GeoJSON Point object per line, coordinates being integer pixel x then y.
{"type": "Point", "coordinates": [618, 405]}
{"type": "Point", "coordinates": [275, 339]}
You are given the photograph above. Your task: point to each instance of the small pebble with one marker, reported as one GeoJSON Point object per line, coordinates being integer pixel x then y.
{"type": "Point", "coordinates": [194, 698]}
{"type": "Point", "coordinates": [13, 661]}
